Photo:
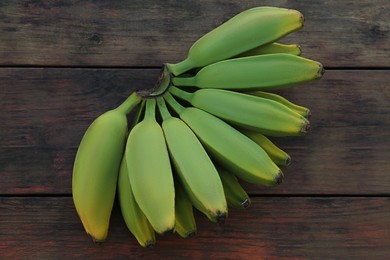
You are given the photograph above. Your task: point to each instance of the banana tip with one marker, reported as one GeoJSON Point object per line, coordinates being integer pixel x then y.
{"type": "Point", "coordinates": [167, 232]}
{"type": "Point", "coordinates": [220, 217]}
{"type": "Point", "coordinates": [246, 203]}
{"type": "Point", "coordinates": [279, 178]}
{"type": "Point", "coordinates": [321, 71]}
{"type": "Point", "coordinates": [308, 114]}
{"type": "Point", "coordinates": [299, 53]}
{"type": "Point", "coordinates": [305, 128]}
{"type": "Point", "coordinates": [150, 244]}
{"type": "Point", "coordinates": [97, 241]}
{"type": "Point", "coordinates": [191, 233]}
{"type": "Point", "coordinates": [287, 161]}
{"type": "Point", "coordinates": [301, 17]}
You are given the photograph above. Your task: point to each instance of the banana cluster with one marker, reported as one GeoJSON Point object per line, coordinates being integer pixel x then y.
{"type": "Point", "coordinates": [203, 130]}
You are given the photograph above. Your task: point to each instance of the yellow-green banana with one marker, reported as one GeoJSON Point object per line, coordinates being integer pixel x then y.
{"type": "Point", "coordinates": [229, 147]}
{"type": "Point", "coordinates": [273, 47]}
{"type": "Point", "coordinates": [261, 72]}
{"type": "Point", "coordinates": [194, 167]}
{"type": "Point", "coordinates": [263, 115]}
{"type": "Point", "coordinates": [185, 224]}
{"type": "Point", "coordinates": [96, 168]}
{"type": "Point", "coordinates": [303, 111]}
{"type": "Point", "coordinates": [243, 32]}
{"type": "Point", "coordinates": [235, 194]}
{"type": "Point", "coordinates": [133, 216]}
{"type": "Point", "coordinates": [150, 171]}
{"type": "Point", "coordinates": [277, 155]}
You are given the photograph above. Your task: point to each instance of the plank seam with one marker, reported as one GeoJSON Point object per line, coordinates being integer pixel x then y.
{"type": "Point", "coordinates": [159, 67]}
{"type": "Point", "coordinates": [304, 195]}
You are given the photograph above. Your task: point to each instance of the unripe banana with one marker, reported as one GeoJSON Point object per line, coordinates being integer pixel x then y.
{"type": "Point", "coordinates": [261, 114]}
{"type": "Point", "coordinates": [185, 224]}
{"type": "Point", "coordinates": [133, 216]}
{"type": "Point", "coordinates": [243, 32]}
{"type": "Point", "coordinates": [261, 72]}
{"type": "Point", "coordinates": [194, 167]}
{"type": "Point", "coordinates": [150, 172]}
{"type": "Point", "coordinates": [229, 147]}
{"type": "Point", "coordinates": [236, 196]}
{"type": "Point", "coordinates": [271, 48]}
{"type": "Point", "coordinates": [303, 111]}
{"type": "Point", "coordinates": [96, 168]}
{"type": "Point", "coordinates": [278, 156]}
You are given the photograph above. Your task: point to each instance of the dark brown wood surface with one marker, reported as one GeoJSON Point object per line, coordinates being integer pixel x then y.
{"type": "Point", "coordinates": [149, 33]}
{"type": "Point", "coordinates": [273, 228]}
{"type": "Point", "coordinates": [63, 63]}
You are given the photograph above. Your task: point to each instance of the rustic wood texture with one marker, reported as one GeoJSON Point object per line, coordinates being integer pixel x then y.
{"type": "Point", "coordinates": [273, 228]}
{"type": "Point", "coordinates": [149, 33]}
{"type": "Point", "coordinates": [63, 63]}
{"type": "Point", "coordinates": [46, 111]}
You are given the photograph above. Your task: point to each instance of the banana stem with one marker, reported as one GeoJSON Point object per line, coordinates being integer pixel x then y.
{"type": "Point", "coordinates": [162, 107]}
{"type": "Point", "coordinates": [181, 93]}
{"type": "Point", "coordinates": [181, 67]}
{"type": "Point", "coordinates": [129, 103]}
{"type": "Point", "coordinates": [137, 117]}
{"type": "Point", "coordinates": [173, 103]}
{"type": "Point", "coordinates": [189, 81]}
{"type": "Point", "coordinates": [150, 112]}
{"type": "Point", "coordinates": [163, 82]}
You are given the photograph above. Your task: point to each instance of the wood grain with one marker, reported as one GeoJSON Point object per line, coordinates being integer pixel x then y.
{"type": "Point", "coordinates": [149, 33]}
{"type": "Point", "coordinates": [273, 228]}
{"type": "Point", "coordinates": [44, 113]}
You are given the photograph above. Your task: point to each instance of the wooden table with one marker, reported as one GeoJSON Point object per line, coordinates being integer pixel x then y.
{"type": "Point", "coordinates": [63, 63]}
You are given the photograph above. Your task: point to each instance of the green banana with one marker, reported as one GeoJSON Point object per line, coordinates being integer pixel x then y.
{"type": "Point", "coordinates": [303, 111]}
{"type": "Point", "coordinates": [194, 167]}
{"type": "Point", "coordinates": [96, 168]}
{"type": "Point", "coordinates": [278, 156]}
{"type": "Point", "coordinates": [134, 218]}
{"type": "Point", "coordinates": [150, 171]}
{"type": "Point", "coordinates": [245, 31]}
{"type": "Point", "coordinates": [185, 224]}
{"type": "Point", "coordinates": [261, 72]}
{"type": "Point", "coordinates": [274, 47]}
{"type": "Point", "coordinates": [263, 115]}
{"type": "Point", "coordinates": [229, 147]}
{"type": "Point", "coordinates": [236, 196]}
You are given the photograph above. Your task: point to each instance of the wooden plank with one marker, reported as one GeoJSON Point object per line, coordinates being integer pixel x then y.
{"type": "Point", "coordinates": [149, 33]}
{"type": "Point", "coordinates": [44, 113]}
{"type": "Point", "coordinates": [273, 228]}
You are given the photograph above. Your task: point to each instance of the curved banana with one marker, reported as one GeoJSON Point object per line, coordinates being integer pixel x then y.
{"type": "Point", "coordinates": [96, 168]}
{"type": "Point", "coordinates": [150, 172]}
{"type": "Point", "coordinates": [243, 32]}
{"type": "Point", "coordinates": [278, 156]}
{"type": "Point", "coordinates": [273, 47]}
{"type": "Point", "coordinates": [261, 72]}
{"type": "Point", "coordinates": [134, 218]}
{"type": "Point", "coordinates": [236, 196]}
{"type": "Point", "coordinates": [303, 111]}
{"type": "Point", "coordinates": [229, 147]}
{"type": "Point", "coordinates": [261, 114]}
{"type": "Point", "coordinates": [194, 167]}
{"type": "Point", "coordinates": [185, 224]}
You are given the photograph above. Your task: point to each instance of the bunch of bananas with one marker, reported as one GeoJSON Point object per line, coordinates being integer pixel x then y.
{"type": "Point", "coordinates": [214, 132]}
